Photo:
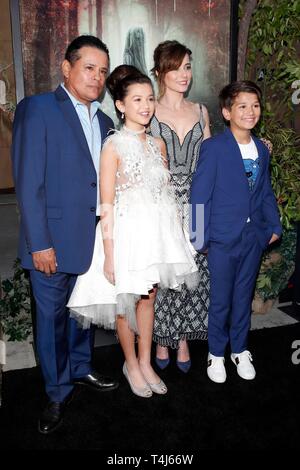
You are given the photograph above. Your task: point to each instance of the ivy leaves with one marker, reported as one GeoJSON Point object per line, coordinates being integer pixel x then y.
{"type": "Point", "coordinates": [15, 306]}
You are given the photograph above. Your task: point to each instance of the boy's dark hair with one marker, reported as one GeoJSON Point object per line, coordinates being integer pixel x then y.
{"type": "Point", "coordinates": [72, 53]}
{"type": "Point", "coordinates": [229, 92]}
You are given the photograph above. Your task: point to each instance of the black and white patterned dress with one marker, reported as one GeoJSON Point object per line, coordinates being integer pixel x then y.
{"type": "Point", "coordinates": [182, 315]}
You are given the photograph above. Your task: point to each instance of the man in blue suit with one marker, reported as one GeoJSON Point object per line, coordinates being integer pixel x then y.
{"type": "Point", "coordinates": [57, 139]}
{"type": "Point", "coordinates": [241, 219]}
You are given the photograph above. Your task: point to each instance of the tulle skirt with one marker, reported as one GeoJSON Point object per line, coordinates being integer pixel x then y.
{"type": "Point", "coordinates": [150, 248]}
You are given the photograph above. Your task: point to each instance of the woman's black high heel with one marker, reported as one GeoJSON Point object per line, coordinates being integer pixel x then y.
{"type": "Point", "coordinates": [184, 366]}
{"type": "Point", "coordinates": [162, 363]}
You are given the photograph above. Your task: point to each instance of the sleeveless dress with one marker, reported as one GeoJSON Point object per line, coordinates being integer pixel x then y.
{"type": "Point", "coordinates": [184, 314]}
{"type": "Point", "coordinates": [150, 246]}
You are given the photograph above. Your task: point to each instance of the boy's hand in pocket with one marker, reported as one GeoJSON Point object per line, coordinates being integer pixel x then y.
{"type": "Point", "coordinates": [274, 238]}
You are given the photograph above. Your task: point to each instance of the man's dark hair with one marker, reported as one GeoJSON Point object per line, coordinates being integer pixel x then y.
{"type": "Point", "coordinates": [72, 52]}
{"type": "Point", "coordinates": [229, 92]}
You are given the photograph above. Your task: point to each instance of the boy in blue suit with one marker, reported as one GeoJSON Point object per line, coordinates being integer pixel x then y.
{"type": "Point", "coordinates": [241, 219]}
{"type": "Point", "coordinates": [57, 140]}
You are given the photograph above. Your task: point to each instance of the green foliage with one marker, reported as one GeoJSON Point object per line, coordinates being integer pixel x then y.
{"type": "Point", "coordinates": [272, 47]}
{"type": "Point", "coordinates": [285, 170]}
{"type": "Point", "coordinates": [272, 42]}
{"type": "Point", "coordinates": [277, 267]}
{"type": "Point", "coordinates": [15, 311]}
{"type": "Point", "coordinates": [273, 36]}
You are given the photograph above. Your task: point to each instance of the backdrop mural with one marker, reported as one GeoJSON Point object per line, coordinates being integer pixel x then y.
{"type": "Point", "coordinates": [7, 96]}
{"type": "Point", "coordinates": [131, 29]}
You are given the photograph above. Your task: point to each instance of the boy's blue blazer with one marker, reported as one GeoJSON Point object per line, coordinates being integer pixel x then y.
{"type": "Point", "coordinates": [55, 179]}
{"type": "Point", "coordinates": [220, 183]}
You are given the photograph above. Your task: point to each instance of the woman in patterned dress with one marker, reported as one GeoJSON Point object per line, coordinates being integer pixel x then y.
{"type": "Point", "coordinates": [183, 125]}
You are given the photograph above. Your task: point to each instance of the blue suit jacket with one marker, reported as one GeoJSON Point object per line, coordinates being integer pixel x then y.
{"type": "Point", "coordinates": [55, 180]}
{"type": "Point", "coordinates": [220, 183]}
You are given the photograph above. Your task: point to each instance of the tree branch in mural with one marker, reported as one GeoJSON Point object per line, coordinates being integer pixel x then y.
{"type": "Point", "coordinates": [8, 111]}
{"type": "Point", "coordinates": [244, 25]}
{"type": "Point", "coordinates": [7, 107]}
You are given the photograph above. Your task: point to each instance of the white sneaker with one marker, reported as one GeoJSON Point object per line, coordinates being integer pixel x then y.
{"type": "Point", "coordinates": [243, 362]}
{"type": "Point", "coordinates": [216, 369]}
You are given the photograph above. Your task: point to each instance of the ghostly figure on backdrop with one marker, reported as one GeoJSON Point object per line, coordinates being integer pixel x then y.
{"type": "Point", "coordinates": [134, 52]}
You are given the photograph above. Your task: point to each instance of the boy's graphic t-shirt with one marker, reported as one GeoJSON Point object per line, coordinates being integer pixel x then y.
{"type": "Point", "coordinates": [251, 162]}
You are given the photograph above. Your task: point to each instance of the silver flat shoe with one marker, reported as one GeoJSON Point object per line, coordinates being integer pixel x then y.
{"type": "Point", "coordinates": [159, 388]}
{"type": "Point", "coordinates": [144, 392]}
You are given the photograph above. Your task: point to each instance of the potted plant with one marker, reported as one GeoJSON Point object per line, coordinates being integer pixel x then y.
{"type": "Point", "coordinates": [15, 306]}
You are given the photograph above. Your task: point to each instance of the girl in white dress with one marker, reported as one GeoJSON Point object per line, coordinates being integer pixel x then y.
{"type": "Point", "coordinates": [140, 242]}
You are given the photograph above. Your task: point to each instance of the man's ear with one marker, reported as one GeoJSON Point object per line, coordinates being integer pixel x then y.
{"type": "Point", "coordinates": [226, 114]}
{"type": "Point", "coordinates": [66, 67]}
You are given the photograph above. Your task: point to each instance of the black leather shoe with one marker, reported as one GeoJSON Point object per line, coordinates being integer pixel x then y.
{"type": "Point", "coordinates": [97, 382]}
{"type": "Point", "coordinates": [52, 417]}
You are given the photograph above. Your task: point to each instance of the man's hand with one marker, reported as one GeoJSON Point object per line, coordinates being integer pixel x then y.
{"type": "Point", "coordinates": [274, 238]}
{"type": "Point", "coordinates": [45, 261]}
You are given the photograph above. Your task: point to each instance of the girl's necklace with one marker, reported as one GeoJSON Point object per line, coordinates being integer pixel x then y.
{"type": "Point", "coordinates": [130, 131]}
